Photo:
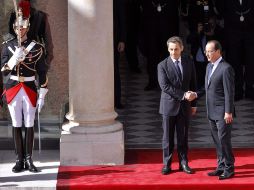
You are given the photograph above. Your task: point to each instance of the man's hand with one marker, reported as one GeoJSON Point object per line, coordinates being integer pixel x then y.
{"type": "Point", "coordinates": [200, 28]}
{"type": "Point", "coordinates": [190, 96]}
{"type": "Point", "coordinates": [193, 110]}
{"type": "Point", "coordinates": [121, 47]}
{"type": "Point", "coordinates": [40, 103]}
{"type": "Point", "coordinates": [228, 117]}
{"type": "Point", "coordinates": [19, 54]}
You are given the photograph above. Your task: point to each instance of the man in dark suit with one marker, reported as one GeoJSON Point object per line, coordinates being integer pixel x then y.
{"type": "Point", "coordinates": [132, 34]}
{"type": "Point", "coordinates": [119, 30]}
{"type": "Point", "coordinates": [177, 80]}
{"type": "Point", "coordinates": [239, 40]}
{"type": "Point", "coordinates": [159, 21]}
{"type": "Point", "coordinates": [219, 85]}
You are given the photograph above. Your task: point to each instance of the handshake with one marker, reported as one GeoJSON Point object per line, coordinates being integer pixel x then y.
{"type": "Point", "coordinates": [190, 95]}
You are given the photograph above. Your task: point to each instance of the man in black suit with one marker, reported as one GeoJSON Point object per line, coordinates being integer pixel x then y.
{"type": "Point", "coordinates": [219, 85]}
{"type": "Point", "coordinates": [177, 80]}
{"type": "Point", "coordinates": [239, 40]}
{"type": "Point", "coordinates": [132, 34]}
{"type": "Point", "coordinates": [119, 30]}
{"type": "Point", "coordinates": [159, 21]}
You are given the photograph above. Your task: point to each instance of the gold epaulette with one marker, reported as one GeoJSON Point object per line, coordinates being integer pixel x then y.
{"type": "Point", "coordinates": [38, 43]}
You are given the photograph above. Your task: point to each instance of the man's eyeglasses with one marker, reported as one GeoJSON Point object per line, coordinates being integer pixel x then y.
{"type": "Point", "coordinates": [210, 52]}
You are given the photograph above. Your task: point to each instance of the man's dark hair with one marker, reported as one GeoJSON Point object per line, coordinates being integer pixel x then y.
{"type": "Point", "coordinates": [217, 45]}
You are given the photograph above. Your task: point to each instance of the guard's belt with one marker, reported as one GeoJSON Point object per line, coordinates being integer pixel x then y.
{"type": "Point", "coordinates": [22, 79]}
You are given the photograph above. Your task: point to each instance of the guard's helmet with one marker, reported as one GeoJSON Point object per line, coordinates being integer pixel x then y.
{"type": "Point", "coordinates": [23, 14]}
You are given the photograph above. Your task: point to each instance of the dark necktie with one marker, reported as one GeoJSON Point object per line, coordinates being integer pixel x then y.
{"type": "Point", "coordinates": [178, 69]}
{"type": "Point", "coordinates": [210, 68]}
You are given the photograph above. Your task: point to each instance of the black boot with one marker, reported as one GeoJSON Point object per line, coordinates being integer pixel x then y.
{"type": "Point", "coordinates": [29, 139]}
{"type": "Point", "coordinates": [19, 150]}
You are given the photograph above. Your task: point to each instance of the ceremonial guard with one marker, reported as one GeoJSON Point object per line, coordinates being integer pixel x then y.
{"type": "Point", "coordinates": [23, 59]}
{"type": "Point", "coordinates": [39, 29]}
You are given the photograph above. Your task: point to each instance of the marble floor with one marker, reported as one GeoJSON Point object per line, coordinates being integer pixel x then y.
{"type": "Point", "coordinates": [142, 122]}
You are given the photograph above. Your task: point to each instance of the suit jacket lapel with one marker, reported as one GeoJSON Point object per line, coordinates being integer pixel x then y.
{"type": "Point", "coordinates": [215, 71]}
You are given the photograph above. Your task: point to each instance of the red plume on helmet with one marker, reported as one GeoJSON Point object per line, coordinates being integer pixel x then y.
{"type": "Point", "coordinates": [25, 6]}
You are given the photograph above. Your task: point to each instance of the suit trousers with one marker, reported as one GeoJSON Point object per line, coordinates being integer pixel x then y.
{"type": "Point", "coordinates": [221, 134]}
{"type": "Point", "coordinates": [170, 124]}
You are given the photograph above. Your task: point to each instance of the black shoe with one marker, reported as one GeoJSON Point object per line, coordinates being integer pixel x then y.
{"type": "Point", "coordinates": [30, 166]}
{"type": "Point", "coordinates": [226, 175]}
{"type": "Point", "coordinates": [185, 168]}
{"type": "Point", "coordinates": [165, 170]}
{"type": "Point", "coordinates": [216, 172]}
{"type": "Point", "coordinates": [19, 166]}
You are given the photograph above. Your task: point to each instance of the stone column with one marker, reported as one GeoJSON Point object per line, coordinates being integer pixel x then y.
{"type": "Point", "coordinates": [92, 136]}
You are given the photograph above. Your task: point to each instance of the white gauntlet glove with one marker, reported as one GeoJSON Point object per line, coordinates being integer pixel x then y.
{"type": "Point", "coordinates": [40, 101]}
{"type": "Point", "coordinates": [18, 56]}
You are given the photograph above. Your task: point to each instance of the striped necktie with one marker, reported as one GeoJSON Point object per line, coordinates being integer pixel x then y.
{"type": "Point", "coordinates": [178, 69]}
{"type": "Point", "coordinates": [210, 69]}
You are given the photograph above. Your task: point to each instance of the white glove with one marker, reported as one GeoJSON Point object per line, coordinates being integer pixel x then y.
{"type": "Point", "coordinates": [18, 56]}
{"type": "Point", "coordinates": [19, 53]}
{"type": "Point", "coordinates": [40, 101]}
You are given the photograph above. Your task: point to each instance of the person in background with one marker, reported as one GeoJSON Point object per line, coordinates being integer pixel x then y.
{"type": "Point", "coordinates": [159, 21]}
{"type": "Point", "coordinates": [132, 34]}
{"type": "Point", "coordinates": [238, 18]}
{"type": "Point", "coordinates": [198, 39]}
{"type": "Point", "coordinates": [177, 80]}
{"type": "Point", "coordinates": [119, 47]}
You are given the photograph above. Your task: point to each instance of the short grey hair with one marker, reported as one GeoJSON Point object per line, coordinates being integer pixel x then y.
{"type": "Point", "coordinates": [175, 39]}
